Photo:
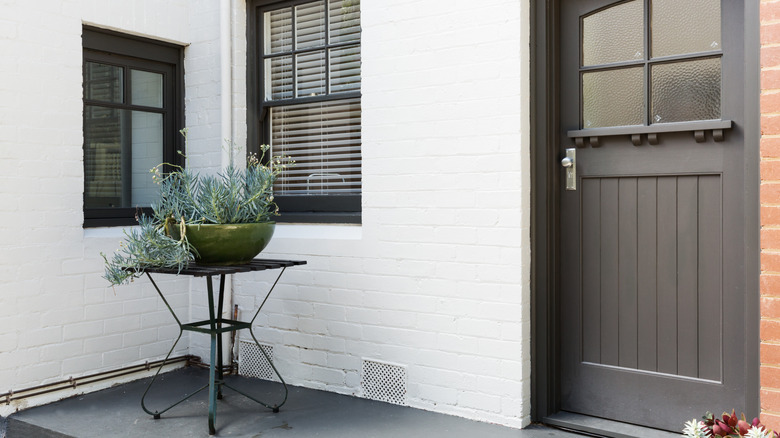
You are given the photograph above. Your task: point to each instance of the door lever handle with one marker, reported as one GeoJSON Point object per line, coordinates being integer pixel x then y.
{"type": "Point", "coordinates": [569, 162]}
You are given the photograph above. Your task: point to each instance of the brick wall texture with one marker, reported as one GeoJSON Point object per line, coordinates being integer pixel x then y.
{"type": "Point", "coordinates": [436, 279]}
{"type": "Point", "coordinates": [770, 213]}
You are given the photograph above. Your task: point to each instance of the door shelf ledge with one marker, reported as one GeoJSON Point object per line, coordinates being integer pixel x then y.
{"type": "Point", "coordinates": [582, 137]}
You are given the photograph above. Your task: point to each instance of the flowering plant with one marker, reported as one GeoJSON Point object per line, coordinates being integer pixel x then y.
{"type": "Point", "coordinates": [728, 426]}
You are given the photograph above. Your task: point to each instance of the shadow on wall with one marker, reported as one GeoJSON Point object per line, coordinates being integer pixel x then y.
{"type": "Point", "coordinates": [3, 423]}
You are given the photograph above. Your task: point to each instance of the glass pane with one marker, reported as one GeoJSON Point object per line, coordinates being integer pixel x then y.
{"type": "Point", "coordinates": [614, 34]}
{"type": "Point", "coordinates": [310, 73]}
{"type": "Point", "coordinates": [344, 20]}
{"type": "Point", "coordinates": [103, 163]}
{"type": "Point", "coordinates": [103, 82]}
{"type": "Point", "coordinates": [688, 26]}
{"type": "Point", "coordinates": [146, 152]}
{"type": "Point", "coordinates": [683, 91]}
{"type": "Point", "coordinates": [278, 31]}
{"type": "Point", "coordinates": [146, 88]}
{"type": "Point", "coordinates": [324, 140]}
{"type": "Point", "coordinates": [120, 147]}
{"type": "Point", "coordinates": [310, 25]}
{"type": "Point", "coordinates": [345, 69]}
{"type": "Point", "coordinates": [613, 98]}
{"type": "Point", "coordinates": [278, 78]}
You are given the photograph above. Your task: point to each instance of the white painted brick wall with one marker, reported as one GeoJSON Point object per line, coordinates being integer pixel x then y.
{"type": "Point", "coordinates": [437, 277]}
{"type": "Point", "coordinates": [57, 317]}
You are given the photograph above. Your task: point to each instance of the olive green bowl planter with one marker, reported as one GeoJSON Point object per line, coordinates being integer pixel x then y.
{"type": "Point", "coordinates": [226, 244]}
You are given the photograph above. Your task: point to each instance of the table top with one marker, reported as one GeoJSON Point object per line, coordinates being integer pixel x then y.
{"type": "Point", "coordinates": [197, 270]}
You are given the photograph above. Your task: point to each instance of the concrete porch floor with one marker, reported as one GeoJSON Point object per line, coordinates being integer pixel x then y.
{"type": "Point", "coordinates": [116, 412]}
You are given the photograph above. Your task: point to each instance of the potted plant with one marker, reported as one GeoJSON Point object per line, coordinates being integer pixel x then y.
{"type": "Point", "coordinates": [212, 219]}
{"type": "Point", "coordinates": [727, 426]}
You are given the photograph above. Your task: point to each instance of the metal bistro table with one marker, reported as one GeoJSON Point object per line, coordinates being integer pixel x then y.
{"type": "Point", "coordinates": [215, 326]}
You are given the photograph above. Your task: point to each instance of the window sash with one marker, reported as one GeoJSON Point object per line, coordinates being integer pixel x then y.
{"type": "Point", "coordinates": [274, 101]}
{"type": "Point", "coordinates": [150, 58]}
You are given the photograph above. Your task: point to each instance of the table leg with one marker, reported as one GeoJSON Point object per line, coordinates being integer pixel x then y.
{"type": "Point", "coordinates": [156, 414]}
{"type": "Point", "coordinates": [220, 373]}
{"type": "Point", "coordinates": [213, 362]}
{"type": "Point", "coordinates": [275, 407]}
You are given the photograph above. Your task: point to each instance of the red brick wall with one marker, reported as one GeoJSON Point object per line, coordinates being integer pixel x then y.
{"type": "Point", "coordinates": [770, 213]}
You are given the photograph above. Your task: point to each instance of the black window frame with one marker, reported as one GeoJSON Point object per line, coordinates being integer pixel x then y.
{"type": "Point", "coordinates": [343, 209]}
{"type": "Point", "coordinates": [138, 53]}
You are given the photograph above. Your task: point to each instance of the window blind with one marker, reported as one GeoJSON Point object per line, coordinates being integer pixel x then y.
{"type": "Point", "coordinates": [324, 141]}
{"type": "Point", "coordinates": [312, 50]}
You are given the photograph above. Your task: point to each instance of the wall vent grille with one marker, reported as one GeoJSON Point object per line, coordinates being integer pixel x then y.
{"type": "Point", "coordinates": [252, 362]}
{"type": "Point", "coordinates": [384, 382]}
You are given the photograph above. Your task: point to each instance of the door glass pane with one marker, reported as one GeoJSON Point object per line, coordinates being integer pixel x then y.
{"type": "Point", "coordinates": [146, 88]}
{"type": "Point", "coordinates": [324, 141]}
{"type": "Point", "coordinates": [613, 98]}
{"type": "Point", "coordinates": [680, 27]}
{"type": "Point", "coordinates": [345, 69]}
{"type": "Point", "coordinates": [278, 78]}
{"type": "Point", "coordinates": [344, 20]}
{"type": "Point", "coordinates": [614, 34]}
{"type": "Point", "coordinates": [310, 25]}
{"type": "Point", "coordinates": [146, 149]}
{"type": "Point", "coordinates": [310, 73]}
{"type": "Point", "coordinates": [683, 91]}
{"type": "Point", "coordinates": [278, 31]}
{"type": "Point", "coordinates": [103, 82]}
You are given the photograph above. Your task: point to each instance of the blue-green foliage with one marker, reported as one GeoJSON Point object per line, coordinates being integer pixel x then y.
{"type": "Point", "coordinates": [144, 247]}
{"type": "Point", "coordinates": [235, 196]}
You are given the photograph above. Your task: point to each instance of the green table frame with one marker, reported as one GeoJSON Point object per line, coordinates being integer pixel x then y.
{"type": "Point", "coordinates": [214, 327]}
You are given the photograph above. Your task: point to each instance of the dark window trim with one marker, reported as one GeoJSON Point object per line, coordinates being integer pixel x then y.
{"type": "Point", "coordinates": [294, 209]}
{"type": "Point", "coordinates": [129, 51]}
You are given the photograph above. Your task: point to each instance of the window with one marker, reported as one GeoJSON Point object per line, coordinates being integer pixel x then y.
{"type": "Point", "coordinates": [304, 101]}
{"type": "Point", "coordinates": [132, 115]}
{"type": "Point", "coordinates": [650, 62]}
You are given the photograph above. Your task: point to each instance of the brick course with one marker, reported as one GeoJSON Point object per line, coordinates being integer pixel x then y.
{"type": "Point", "coordinates": [770, 219]}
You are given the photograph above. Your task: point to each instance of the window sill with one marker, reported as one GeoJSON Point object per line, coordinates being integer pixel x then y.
{"type": "Point", "coordinates": [636, 132]}
{"type": "Point", "coordinates": [318, 231]}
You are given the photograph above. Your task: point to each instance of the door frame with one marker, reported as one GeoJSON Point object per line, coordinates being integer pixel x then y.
{"type": "Point", "coordinates": [545, 217]}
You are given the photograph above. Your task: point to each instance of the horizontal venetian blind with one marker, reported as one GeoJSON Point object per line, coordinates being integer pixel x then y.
{"type": "Point", "coordinates": [312, 50]}
{"type": "Point", "coordinates": [308, 53]}
{"type": "Point", "coordinates": [324, 141]}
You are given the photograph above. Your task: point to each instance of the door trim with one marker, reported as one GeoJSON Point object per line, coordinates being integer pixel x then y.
{"type": "Point", "coordinates": [545, 217]}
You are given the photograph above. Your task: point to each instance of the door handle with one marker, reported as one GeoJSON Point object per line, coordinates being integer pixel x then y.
{"type": "Point", "coordinates": [569, 162]}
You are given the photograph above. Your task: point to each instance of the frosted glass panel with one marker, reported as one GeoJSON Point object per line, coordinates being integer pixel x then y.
{"type": "Point", "coordinates": [278, 31]}
{"type": "Point", "coordinates": [683, 91]}
{"type": "Point", "coordinates": [613, 98]}
{"type": "Point", "coordinates": [147, 88]}
{"type": "Point", "coordinates": [103, 82]}
{"type": "Point", "coordinates": [680, 27]}
{"type": "Point", "coordinates": [310, 73]}
{"type": "Point", "coordinates": [310, 25]}
{"type": "Point", "coordinates": [278, 78]}
{"type": "Point", "coordinates": [614, 34]}
{"type": "Point", "coordinates": [344, 20]}
{"type": "Point", "coordinates": [345, 69]}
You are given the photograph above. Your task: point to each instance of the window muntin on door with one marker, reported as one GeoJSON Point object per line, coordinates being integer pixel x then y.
{"type": "Point", "coordinates": [646, 62]}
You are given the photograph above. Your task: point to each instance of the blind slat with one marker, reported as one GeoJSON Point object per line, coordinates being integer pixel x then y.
{"type": "Point", "coordinates": [324, 141]}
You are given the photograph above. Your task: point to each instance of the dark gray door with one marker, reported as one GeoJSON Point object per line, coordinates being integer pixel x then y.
{"type": "Point", "coordinates": [652, 238]}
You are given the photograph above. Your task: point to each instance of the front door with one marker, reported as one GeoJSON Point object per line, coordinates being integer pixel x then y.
{"type": "Point", "coordinates": [652, 234]}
